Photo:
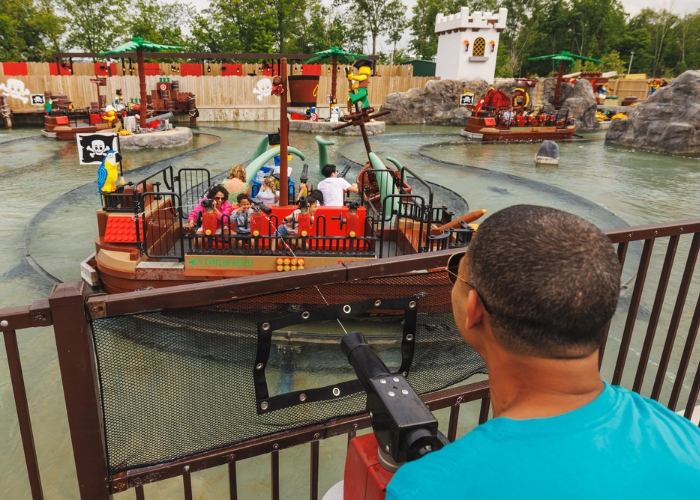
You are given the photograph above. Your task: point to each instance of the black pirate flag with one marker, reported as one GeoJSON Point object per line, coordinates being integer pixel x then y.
{"type": "Point", "coordinates": [93, 148]}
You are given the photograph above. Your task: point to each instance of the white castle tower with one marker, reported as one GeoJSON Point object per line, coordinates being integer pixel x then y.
{"type": "Point", "coordinates": [467, 45]}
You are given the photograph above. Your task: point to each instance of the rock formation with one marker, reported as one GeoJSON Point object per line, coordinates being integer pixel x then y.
{"type": "Point", "coordinates": [580, 100]}
{"type": "Point", "coordinates": [437, 103]}
{"type": "Point", "coordinates": [668, 121]}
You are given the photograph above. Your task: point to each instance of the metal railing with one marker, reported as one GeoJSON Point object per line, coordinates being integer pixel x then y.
{"type": "Point", "coordinates": [69, 310]}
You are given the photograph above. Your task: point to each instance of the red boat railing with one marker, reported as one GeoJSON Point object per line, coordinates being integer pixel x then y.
{"type": "Point", "coordinates": [68, 310]}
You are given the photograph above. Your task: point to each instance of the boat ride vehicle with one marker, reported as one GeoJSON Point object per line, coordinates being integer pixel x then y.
{"type": "Point", "coordinates": [495, 119]}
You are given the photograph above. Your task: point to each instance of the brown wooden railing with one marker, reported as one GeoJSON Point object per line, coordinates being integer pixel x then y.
{"type": "Point", "coordinates": [69, 310]}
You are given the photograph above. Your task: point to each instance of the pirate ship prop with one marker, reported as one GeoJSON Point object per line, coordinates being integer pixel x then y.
{"type": "Point", "coordinates": [496, 118]}
{"type": "Point", "coordinates": [142, 241]}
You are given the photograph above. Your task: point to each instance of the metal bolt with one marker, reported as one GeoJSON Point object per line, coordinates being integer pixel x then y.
{"type": "Point", "coordinates": [656, 233]}
{"type": "Point", "coordinates": [187, 468]}
{"type": "Point", "coordinates": [317, 435]}
{"type": "Point", "coordinates": [391, 393]}
{"type": "Point", "coordinates": [409, 337]}
{"type": "Point", "coordinates": [377, 303]}
{"type": "Point", "coordinates": [305, 315]}
{"type": "Point", "coordinates": [39, 317]}
{"type": "Point", "coordinates": [264, 405]}
{"type": "Point", "coordinates": [302, 397]}
{"type": "Point", "coordinates": [396, 379]}
{"type": "Point", "coordinates": [404, 391]}
{"type": "Point", "coordinates": [336, 391]}
{"type": "Point", "coordinates": [347, 309]}
{"type": "Point", "coordinates": [405, 374]}
{"type": "Point", "coordinates": [382, 381]}
{"type": "Point", "coordinates": [681, 230]}
{"type": "Point", "coordinates": [386, 448]}
{"type": "Point", "coordinates": [275, 446]}
{"type": "Point", "coordinates": [259, 366]}
{"type": "Point", "coordinates": [4, 323]}
{"type": "Point", "coordinates": [266, 326]}
{"type": "Point", "coordinates": [412, 304]}
{"type": "Point", "coordinates": [370, 416]}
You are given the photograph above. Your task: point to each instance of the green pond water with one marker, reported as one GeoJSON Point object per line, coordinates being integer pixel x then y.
{"type": "Point", "coordinates": [48, 204]}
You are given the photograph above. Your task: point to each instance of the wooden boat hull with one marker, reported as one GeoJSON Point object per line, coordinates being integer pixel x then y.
{"type": "Point", "coordinates": [479, 129]}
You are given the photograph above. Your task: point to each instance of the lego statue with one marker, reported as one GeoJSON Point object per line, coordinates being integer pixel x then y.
{"type": "Point", "coordinates": [364, 70]}
{"type": "Point", "coordinates": [107, 173]}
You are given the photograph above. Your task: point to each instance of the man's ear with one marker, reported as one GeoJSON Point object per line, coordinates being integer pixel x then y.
{"type": "Point", "coordinates": [475, 309]}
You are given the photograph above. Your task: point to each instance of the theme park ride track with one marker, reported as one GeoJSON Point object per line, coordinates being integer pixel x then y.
{"type": "Point", "coordinates": [71, 314]}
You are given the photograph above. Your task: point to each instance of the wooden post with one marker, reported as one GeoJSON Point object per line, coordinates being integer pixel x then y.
{"type": "Point", "coordinates": [6, 112]}
{"type": "Point", "coordinates": [142, 87]}
{"type": "Point", "coordinates": [334, 79]}
{"type": "Point", "coordinates": [76, 359]}
{"type": "Point", "coordinates": [284, 131]}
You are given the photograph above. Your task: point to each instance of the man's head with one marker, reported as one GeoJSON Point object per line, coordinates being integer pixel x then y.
{"type": "Point", "coordinates": [546, 284]}
{"type": "Point", "coordinates": [328, 170]}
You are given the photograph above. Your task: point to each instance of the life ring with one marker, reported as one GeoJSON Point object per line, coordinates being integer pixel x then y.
{"type": "Point", "coordinates": [163, 86]}
{"type": "Point", "coordinates": [521, 99]}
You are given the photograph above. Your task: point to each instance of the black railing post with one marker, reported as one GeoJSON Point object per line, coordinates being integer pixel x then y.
{"type": "Point", "coordinates": [76, 359]}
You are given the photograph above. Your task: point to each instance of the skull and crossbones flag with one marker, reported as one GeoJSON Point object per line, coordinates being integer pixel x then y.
{"type": "Point", "coordinates": [93, 148]}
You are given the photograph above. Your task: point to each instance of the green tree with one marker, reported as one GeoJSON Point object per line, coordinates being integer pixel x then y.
{"type": "Point", "coordinates": [613, 62]}
{"type": "Point", "coordinates": [28, 31]}
{"type": "Point", "coordinates": [95, 25]}
{"type": "Point", "coordinates": [378, 16]}
{"type": "Point", "coordinates": [234, 26]}
{"type": "Point", "coordinates": [160, 23]}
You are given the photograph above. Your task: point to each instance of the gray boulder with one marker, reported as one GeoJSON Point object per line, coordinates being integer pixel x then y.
{"type": "Point", "coordinates": [668, 121]}
{"type": "Point", "coordinates": [549, 149]}
{"type": "Point", "coordinates": [436, 104]}
{"type": "Point", "coordinates": [581, 103]}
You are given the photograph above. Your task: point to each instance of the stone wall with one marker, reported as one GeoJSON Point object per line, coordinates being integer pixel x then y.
{"type": "Point", "coordinates": [668, 121]}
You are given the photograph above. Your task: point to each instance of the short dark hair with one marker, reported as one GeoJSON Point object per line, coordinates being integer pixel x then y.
{"type": "Point", "coordinates": [316, 193]}
{"type": "Point", "coordinates": [217, 189]}
{"type": "Point", "coordinates": [310, 200]}
{"type": "Point", "coordinates": [242, 197]}
{"type": "Point", "coordinates": [551, 280]}
{"type": "Point", "coordinates": [328, 169]}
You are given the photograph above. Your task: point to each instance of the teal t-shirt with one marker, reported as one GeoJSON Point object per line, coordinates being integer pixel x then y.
{"type": "Point", "coordinates": [620, 445]}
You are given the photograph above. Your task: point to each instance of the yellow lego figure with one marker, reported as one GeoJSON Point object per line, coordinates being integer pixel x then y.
{"type": "Point", "coordinates": [364, 70]}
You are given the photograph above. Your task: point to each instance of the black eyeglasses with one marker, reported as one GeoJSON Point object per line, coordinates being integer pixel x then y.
{"type": "Point", "coordinates": [452, 273]}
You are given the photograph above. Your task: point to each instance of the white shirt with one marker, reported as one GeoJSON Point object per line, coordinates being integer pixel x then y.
{"type": "Point", "coordinates": [332, 189]}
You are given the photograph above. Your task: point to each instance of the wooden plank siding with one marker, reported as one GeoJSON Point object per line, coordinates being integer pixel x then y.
{"type": "Point", "coordinates": [211, 91]}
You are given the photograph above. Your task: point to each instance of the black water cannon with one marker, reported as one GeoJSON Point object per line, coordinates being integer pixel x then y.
{"type": "Point", "coordinates": [304, 177]}
{"type": "Point", "coordinates": [260, 206]}
{"type": "Point", "coordinates": [303, 205]}
{"type": "Point", "coordinates": [403, 426]}
{"type": "Point", "coordinates": [344, 172]}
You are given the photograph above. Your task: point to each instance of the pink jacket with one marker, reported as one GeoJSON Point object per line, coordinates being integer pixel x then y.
{"type": "Point", "coordinates": [226, 208]}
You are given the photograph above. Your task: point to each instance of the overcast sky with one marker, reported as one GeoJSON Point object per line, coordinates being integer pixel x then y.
{"type": "Point", "coordinates": [631, 6]}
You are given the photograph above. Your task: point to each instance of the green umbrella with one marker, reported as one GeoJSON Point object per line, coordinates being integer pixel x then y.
{"type": "Point", "coordinates": [336, 54]}
{"type": "Point", "coordinates": [138, 45]}
{"type": "Point", "coordinates": [565, 58]}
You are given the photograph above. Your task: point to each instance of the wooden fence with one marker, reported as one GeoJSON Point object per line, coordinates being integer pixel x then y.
{"type": "Point", "coordinates": [627, 88]}
{"type": "Point", "coordinates": [211, 91]}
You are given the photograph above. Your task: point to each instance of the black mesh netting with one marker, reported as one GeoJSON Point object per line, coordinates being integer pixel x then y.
{"type": "Point", "coordinates": [180, 381]}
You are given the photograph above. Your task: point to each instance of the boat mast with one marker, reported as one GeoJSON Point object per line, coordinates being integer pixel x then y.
{"type": "Point", "coordinates": [284, 131]}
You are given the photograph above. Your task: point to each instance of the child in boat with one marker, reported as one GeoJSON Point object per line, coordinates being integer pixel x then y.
{"type": "Point", "coordinates": [290, 226]}
{"type": "Point", "coordinates": [268, 192]}
{"type": "Point", "coordinates": [221, 206]}
{"type": "Point", "coordinates": [241, 215]}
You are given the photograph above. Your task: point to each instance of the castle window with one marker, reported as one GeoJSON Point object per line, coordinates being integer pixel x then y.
{"type": "Point", "coordinates": [479, 47]}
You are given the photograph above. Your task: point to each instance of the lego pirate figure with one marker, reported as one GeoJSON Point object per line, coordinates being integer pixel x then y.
{"type": "Point", "coordinates": [364, 70]}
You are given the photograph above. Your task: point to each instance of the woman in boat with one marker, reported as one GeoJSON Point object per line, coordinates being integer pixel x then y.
{"type": "Point", "coordinates": [221, 206]}
{"type": "Point", "coordinates": [236, 183]}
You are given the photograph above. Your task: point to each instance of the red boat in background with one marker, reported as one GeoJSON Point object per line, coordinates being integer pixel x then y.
{"type": "Point", "coordinates": [495, 119]}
